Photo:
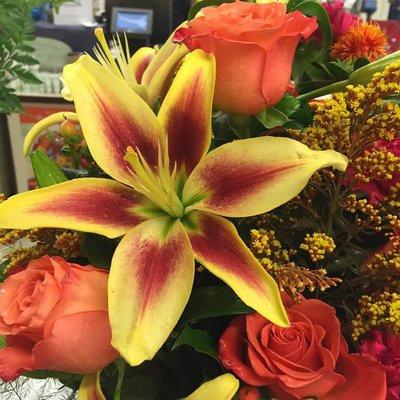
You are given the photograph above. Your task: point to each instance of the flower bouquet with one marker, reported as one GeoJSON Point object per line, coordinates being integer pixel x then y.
{"type": "Point", "coordinates": [233, 231]}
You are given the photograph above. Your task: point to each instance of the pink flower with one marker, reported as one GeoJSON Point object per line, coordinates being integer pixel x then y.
{"type": "Point", "coordinates": [341, 20]}
{"type": "Point", "coordinates": [385, 348]}
{"type": "Point", "coordinates": [378, 189]}
{"type": "Point", "coordinates": [54, 316]}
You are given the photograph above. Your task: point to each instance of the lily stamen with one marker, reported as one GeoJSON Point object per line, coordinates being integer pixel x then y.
{"type": "Point", "coordinates": [159, 186]}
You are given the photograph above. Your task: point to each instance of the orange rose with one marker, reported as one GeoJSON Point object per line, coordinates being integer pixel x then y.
{"type": "Point", "coordinates": [308, 359]}
{"type": "Point", "coordinates": [54, 315]}
{"type": "Point", "coordinates": [254, 46]}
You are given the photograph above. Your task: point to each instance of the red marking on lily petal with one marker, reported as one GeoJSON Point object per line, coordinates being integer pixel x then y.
{"type": "Point", "coordinates": [188, 126]}
{"type": "Point", "coordinates": [216, 243]}
{"type": "Point", "coordinates": [149, 285]}
{"type": "Point", "coordinates": [122, 131]}
{"type": "Point", "coordinates": [95, 205]}
{"type": "Point", "coordinates": [142, 67]}
{"type": "Point", "coordinates": [231, 183]}
{"type": "Point", "coordinates": [154, 267]}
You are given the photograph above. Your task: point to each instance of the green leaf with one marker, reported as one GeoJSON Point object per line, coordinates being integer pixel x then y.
{"type": "Point", "coordinates": [311, 8]}
{"type": "Point", "coordinates": [316, 73]}
{"type": "Point", "coordinates": [44, 374]}
{"type": "Point", "coordinates": [46, 171]}
{"type": "Point", "coordinates": [27, 76]}
{"type": "Point", "coordinates": [288, 104]}
{"type": "Point", "coordinates": [308, 52]}
{"type": "Point", "coordinates": [3, 342]}
{"type": "Point", "coordinates": [361, 62]}
{"type": "Point", "coordinates": [205, 3]}
{"type": "Point", "coordinates": [337, 70]}
{"type": "Point", "coordinates": [3, 268]}
{"type": "Point", "coordinates": [26, 59]}
{"type": "Point", "coordinates": [305, 54]}
{"type": "Point", "coordinates": [392, 98]}
{"type": "Point", "coordinates": [98, 250]}
{"type": "Point", "coordinates": [241, 125]}
{"type": "Point", "coordinates": [199, 339]}
{"type": "Point", "coordinates": [291, 4]}
{"type": "Point", "coordinates": [271, 118]}
{"type": "Point", "coordinates": [213, 301]}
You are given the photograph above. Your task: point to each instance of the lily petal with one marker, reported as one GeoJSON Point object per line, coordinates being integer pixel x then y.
{"type": "Point", "coordinates": [253, 176]}
{"type": "Point", "coordinates": [159, 73]}
{"type": "Point", "coordinates": [140, 61]}
{"type": "Point", "coordinates": [44, 124]}
{"type": "Point", "coordinates": [223, 387]}
{"type": "Point", "coordinates": [217, 245]}
{"type": "Point", "coordinates": [112, 117]}
{"type": "Point", "coordinates": [151, 278]}
{"type": "Point", "coordinates": [90, 388]}
{"type": "Point", "coordinates": [93, 205]}
{"type": "Point", "coordinates": [186, 111]}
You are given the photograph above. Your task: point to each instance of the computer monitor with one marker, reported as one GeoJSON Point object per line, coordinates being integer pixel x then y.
{"type": "Point", "coordinates": [133, 21]}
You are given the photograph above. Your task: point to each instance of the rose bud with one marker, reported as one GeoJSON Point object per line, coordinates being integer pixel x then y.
{"type": "Point", "coordinates": [249, 393]}
{"type": "Point", "coordinates": [254, 46]}
{"type": "Point", "coordinates": [67, 128]}
{"type": "Point", "coordinates": [54, 316]}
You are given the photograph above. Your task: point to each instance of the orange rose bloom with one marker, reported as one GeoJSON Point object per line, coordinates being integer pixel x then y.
{"type": "Point", "coordinates": [254, 46]}
{"type": "Point", "coordinates": [54, 315]}
{"type": "Point", "coordinates": [306, 360]}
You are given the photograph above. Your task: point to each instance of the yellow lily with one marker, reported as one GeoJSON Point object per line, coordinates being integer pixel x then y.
{"type": "Point", "coordinates": [149, 71]}
{"type": "Point", "coordinates": [167, 198]}
{"type": "Point", "coordinates": [90, 388]}
{"type": "Point", "coordinates": [223, 387]}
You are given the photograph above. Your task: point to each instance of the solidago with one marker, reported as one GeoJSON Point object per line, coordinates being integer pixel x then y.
{"type": "Point", "coordinates": [167, 198]}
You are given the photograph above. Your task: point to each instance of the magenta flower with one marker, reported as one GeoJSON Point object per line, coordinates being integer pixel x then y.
{"type": "Point", "coordinates": [341, 20]}
{"type": "Point", "coordinates": [385, 348]}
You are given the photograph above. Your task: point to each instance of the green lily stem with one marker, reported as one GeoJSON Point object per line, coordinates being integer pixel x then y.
{"type": "Point", "coordinates": [121, 364]}
{"type": "Point", "coordinates": [334, 87]}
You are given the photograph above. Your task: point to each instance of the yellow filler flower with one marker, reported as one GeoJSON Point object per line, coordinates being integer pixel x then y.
{"type": "Point", "coordinates": [167, 198]}
{"type": "Point", "coordinates": [223, 387]}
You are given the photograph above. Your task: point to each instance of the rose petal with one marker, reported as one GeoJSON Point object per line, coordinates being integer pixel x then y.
{"type": "Point", "coordinates": [16, 358]}
{"type": "Point", "coordinates": [356, 368]}
{"type": "Point", "coordinates": [78, 343]}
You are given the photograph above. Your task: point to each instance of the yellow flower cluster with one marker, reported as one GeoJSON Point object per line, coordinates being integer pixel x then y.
{"type": "Point", "coordinates": [386, 263]}
{"type": "Point", "coordinates": [367, 215]}
{"type": "Point", "coordinates": [376, 164]}
{"type": "Point", "coordinates": [331, 127]}
{"type": "Point", "coordinates": [45, 242]}
{"type": "Point", "coordinates": [267, 247]}
{"type": "Point", "coordinates": [351, 121]}
{"type": "Point", "coordinates": [378, 310]}
{"type": "Point", "coordinates": [290, 277]}
{"type": "Point", "coordinates": [318, 245]}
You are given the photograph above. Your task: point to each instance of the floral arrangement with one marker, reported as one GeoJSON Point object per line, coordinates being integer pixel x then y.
{"type": "Point", "coordinates": [222, 231]}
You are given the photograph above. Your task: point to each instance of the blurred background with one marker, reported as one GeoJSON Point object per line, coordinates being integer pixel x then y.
{"type": "Point", "coordinates": [64, 34]}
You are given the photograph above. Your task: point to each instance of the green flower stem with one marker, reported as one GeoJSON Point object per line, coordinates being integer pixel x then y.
{"type": "Point", "coordinates": [332, 88]}
{"type": "Point", "coordinates": [121, 365]}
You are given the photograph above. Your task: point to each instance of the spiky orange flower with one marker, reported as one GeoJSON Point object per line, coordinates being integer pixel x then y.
{"type": "Point", "coordinates": [362, 40]}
